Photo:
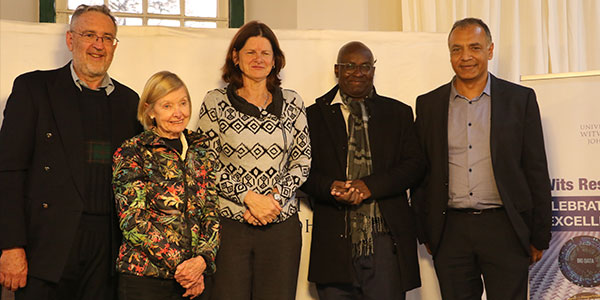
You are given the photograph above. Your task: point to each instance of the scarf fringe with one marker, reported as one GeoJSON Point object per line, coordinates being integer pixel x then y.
{"type": "Point", "coordinates": [364, 247]}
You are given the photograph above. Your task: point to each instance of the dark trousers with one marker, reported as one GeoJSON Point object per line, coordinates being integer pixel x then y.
{"type": "Point", "coordinates": [257, 262]}
{"type": "Point", "coordinates": [485, 245]}
{"type": "Point", "coordinates": [377, 276]}
{"type": "Point", "coordinates": [146, 288]}
{"type": "Point", "coordinates": [87, 274]}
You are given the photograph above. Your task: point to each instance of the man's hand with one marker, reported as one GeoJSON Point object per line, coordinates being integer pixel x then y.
{"type": "Point", "coordinates": [361, 187]}
{"type": "Point", "coordinates": [536, 254]}
{"type": "Point", "coordinates": [351, 192]}
{"type": "Point", "coordinates": [338, 188]}
{"type": "Point", "coordinates": [196, 289]}
{"type": "Point", "coordinates": [264, 208]}
{"type": "Point", "coordinates": [189, 272]}
{"type": "Point", "coordinates": [13, 268]}
{"type": "Point", "coordinates": [341, 192]}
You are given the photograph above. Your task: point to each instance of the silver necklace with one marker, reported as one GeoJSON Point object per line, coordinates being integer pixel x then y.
{"type": "Point", "coordinates": [266, 100]}
{"type": "Point", "coordinates": [260, 106]}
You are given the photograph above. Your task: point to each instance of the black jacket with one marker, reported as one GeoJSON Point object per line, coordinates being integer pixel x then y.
{"type": "Point", "coordinates": [518, 161]}
{"type": "Point", "coordinates": [42, 165]}
{"type": "Point", "coordinates": [397, 165]}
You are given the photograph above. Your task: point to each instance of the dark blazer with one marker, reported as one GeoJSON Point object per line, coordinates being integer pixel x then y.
{"type": "Point", "coordinates": [42, 165]}
{"type": "Point", "coordinates": [518, 160]}
{"type": "Point", "coordinates": [397, 165]}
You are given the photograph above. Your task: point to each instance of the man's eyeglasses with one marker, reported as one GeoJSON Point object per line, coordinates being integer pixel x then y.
{"type": "Point", "coordinates": [91, 37]}
{"type": "Point", "coordinates": [351, 68]}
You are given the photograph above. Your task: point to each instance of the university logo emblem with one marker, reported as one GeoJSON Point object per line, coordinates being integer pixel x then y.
{"type": "Point", "coordinates": [579, 260]}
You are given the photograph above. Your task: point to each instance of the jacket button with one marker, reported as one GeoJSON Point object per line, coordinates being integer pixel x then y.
{"type": "Point", "coordinates": [47, 168]}
{"type": "Point", "coordinates": [48, 135]}
{"type": "Point", "coordinates": [44, 205]}
{"type": "Point", "coordinates": [341, 236]}
{"type": "Point", "coordinates": [443, 212]}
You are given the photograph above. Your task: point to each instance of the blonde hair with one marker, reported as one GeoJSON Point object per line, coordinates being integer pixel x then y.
{"type": "Point", "coordinates": [158, 86]}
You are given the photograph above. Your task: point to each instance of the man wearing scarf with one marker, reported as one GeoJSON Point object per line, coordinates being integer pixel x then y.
{"type": "Point", "coordinates": [365, 157]}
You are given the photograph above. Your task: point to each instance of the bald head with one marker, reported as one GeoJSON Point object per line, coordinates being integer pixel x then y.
{"type": "Point", "coordinates": [354, 47]}
{"type": "Point", "coordinates": [355, 70]}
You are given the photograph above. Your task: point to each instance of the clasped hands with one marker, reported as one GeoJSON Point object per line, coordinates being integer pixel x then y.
{"type": "Point", "coordinates": [262, 209]}
{"type": "Point", "coordinates": [189, 274]}
{"type": "Point", "coordinates": [350, 192]}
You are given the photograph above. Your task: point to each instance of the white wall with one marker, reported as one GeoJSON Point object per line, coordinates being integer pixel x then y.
{"type": "Point", "coordinates": [278, 14]}
{"type": "Point", "coordinates": [333, 14]}
{"type": "Point", "coordinates": [385, 15]}
{"type": "Point", "coordinates": [19, 10]}
{"type": "Point", "coordinates": [373, 15]}
{"type": "Point", "coordinates": [409, 64]}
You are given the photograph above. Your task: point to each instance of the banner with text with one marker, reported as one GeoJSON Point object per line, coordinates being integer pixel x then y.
{"type": "Point", "coordinates": [570, 268]}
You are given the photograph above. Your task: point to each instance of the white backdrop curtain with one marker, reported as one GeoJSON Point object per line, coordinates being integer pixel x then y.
{"type": "Point", "coordinates": [409, 64]}
{"type": "Point", "coordinates": [530, 36]}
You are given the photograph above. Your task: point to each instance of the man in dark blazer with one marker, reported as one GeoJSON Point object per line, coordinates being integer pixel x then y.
{"type": "Point", "coordinates": [485, 203]}
{"type": "Point", "coordinates": [363, 236]}
{"type": "Point", "coordinates": [57, 231]}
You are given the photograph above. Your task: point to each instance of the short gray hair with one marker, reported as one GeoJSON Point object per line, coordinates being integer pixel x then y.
{"type": "Point", "coordinates": [472, 21]}
{"type": "Point", "coordinates": [81, 9]}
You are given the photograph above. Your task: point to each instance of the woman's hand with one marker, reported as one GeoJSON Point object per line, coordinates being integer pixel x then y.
{"type": "Point", "coordinates": [264, 208]}
{"type": "Point", "coordinates": [251, 219]}
{"type": "Point", "coordinates": [196, 289]}
{"type": "Point", "coordinates": [189, 272]}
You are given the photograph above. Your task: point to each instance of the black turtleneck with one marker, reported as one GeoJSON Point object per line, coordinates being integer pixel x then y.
{"type": "Point", "coordinates": [242, 105]}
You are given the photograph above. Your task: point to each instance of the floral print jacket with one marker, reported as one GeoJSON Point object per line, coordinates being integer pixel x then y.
{"type": "Point", "coordinates": [167, 205]}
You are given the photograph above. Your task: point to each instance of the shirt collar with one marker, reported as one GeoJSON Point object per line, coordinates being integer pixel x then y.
{"type": "Point", "coordinates": [106, 84]}
{"type": "Point", "coordinates": [486, 90]}
{"type": "Point", "coordinates": [337, 99]}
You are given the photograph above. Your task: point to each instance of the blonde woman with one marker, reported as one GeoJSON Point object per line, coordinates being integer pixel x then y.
{"type": "Point", "coordinates": [166, 200]}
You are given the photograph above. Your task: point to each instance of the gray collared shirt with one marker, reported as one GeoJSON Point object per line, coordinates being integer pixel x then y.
{"type": "Point", "coordinates": [106, 83]}
{"type": "Point", "coordinates": [471, 183]}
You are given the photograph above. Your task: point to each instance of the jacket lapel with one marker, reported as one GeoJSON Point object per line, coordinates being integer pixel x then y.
{"type": "Point", "coordinates": [376, 125]}
{"type": "Point", "coordinates": [336, 126]}
{"type": "Point", "coordinates": [443, 126]}
{"type": "Point", "coordinates": [63, 101]}
{"type": "Point", "coordinates": [498, 110]}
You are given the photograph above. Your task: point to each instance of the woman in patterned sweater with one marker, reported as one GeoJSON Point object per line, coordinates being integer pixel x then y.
{"type": "Point", "coordinates": [259, 135]}
{"type": "Point", "coordinates": [166, 199]}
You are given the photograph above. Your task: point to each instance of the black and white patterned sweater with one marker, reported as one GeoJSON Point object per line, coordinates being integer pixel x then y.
{"type": "Point", "coordinates": [252, 150]}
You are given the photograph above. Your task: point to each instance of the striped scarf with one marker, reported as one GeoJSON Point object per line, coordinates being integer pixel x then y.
{"type": "Point", "coordinates": [365, 219]}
